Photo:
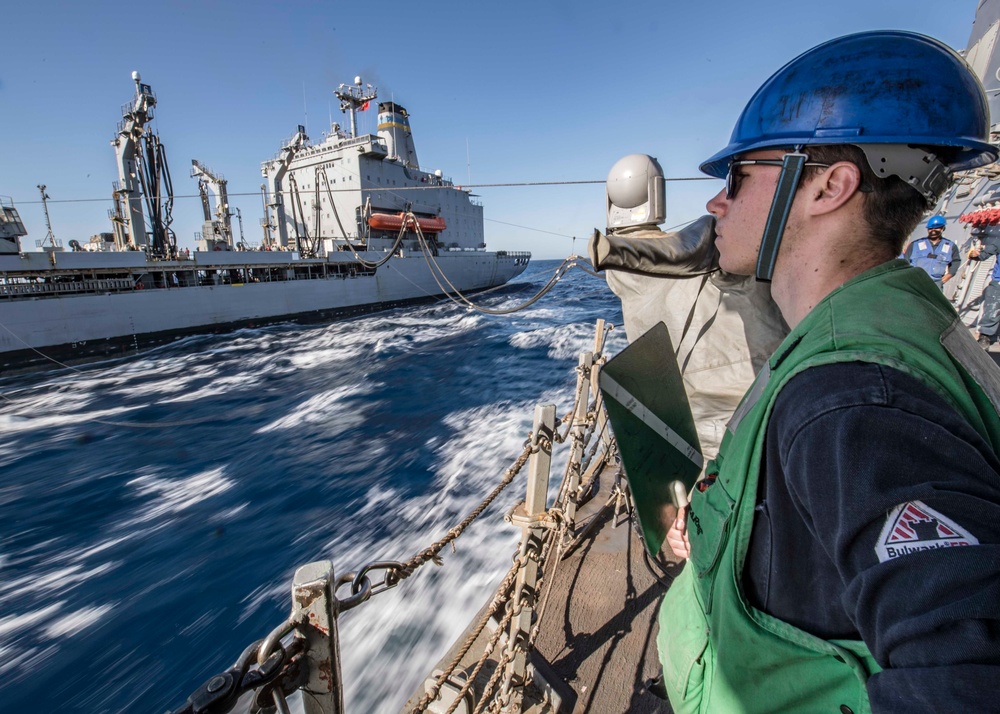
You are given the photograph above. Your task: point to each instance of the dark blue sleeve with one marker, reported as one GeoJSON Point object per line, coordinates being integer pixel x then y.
{"type": "Point", "coordinates": [956, 260]}
{"type": "Point", "coordinates": [868, 452]}
{"type": "Point", "coordinates": [990, 248]}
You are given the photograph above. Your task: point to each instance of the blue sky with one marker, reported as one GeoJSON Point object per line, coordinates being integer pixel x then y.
{"type": "Point", "coordinates": [498, 92]}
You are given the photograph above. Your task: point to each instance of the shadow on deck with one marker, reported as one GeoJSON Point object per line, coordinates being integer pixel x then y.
{"type": "Point", "coordinates": [598, 633]}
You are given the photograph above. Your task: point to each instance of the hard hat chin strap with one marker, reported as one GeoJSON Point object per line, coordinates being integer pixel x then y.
{"type": "Point", "coordinates": [781, 206]}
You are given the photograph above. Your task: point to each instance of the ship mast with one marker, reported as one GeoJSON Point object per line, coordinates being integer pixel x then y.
{"type": "Point", "coordinates": [353, 98]}
{"type": "Point", "coordinates": [50, 236]}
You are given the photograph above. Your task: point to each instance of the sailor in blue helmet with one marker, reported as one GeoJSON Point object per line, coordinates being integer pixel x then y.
{"type": "Point", "coordinates": [935, 254]}
{"type": "Point", "coordinates": [843, 546]}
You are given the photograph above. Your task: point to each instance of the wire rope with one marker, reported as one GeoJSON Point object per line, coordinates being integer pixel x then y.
{"type": "Point", "coordinates": [462, 187]}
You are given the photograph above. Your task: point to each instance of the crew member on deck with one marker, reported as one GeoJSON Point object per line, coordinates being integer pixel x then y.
{"type": "Point", "coordinates": [843, 545]}
{"type": "Point", "coordinates": [989, 323]}
{"type": "Point", "coordinates": [935, 254]}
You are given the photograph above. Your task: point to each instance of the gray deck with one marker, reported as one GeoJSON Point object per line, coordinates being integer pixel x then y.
{"type": "Point", "coordinates": [598, 632]}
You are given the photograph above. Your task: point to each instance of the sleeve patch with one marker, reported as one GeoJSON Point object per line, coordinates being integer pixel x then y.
{"type": "Point", "coordinates": [915, 526]}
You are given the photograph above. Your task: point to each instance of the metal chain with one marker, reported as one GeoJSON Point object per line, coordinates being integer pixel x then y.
{"type": "Point", "coordinates": [512, 609]}
{"type": "Point", "coordinates": [487, 651]}
{"type": "Point", "coordinates": [584, 373]}
{"type": "Point", "coordinates": [525, 644]}
{"type": "Point", "coordinates": [591, 422]}
{"type": "Point", "coordinates": [221, 692]}
{"type": "Point", "coordinates": [549, 563]}
{"type": "Point", "coordinates": [492, 683]}
{"type": "Point", "coordinates": [589, 460]}
{"type": "Point", "coordinates": [500, 597]}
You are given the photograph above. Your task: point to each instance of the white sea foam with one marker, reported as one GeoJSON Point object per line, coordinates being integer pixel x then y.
{"type": "Point", "coordinates": [85, 553]}
{"type": "Point", "coordinates": [231, 513]}
{"type": "Point", "coordinates": [220, 385]}
{"type": "Point", "coordinates": [343, 342]}
{"type": "Point", "coordinates": [395, 637]}
{"type": "Point", "coordinates": [16, 623]}
{"type": "Point", "coordinates": [75, 622]}
{"type": "Point", "coordinates": [263, 595]}
{"type": "Point", "coordinates": [63, 578]}
{"type": "Point", "coordinates": [333, 409]}
{"type": "Point", "coordinates": [40, 411]}
{"type": "Point", "coordinates": [563, 342]}
{"type": "Point", "coordinates": [172, 495]}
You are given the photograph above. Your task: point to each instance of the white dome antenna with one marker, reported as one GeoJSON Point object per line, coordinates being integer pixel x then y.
{"type": "Point", "coordinates": [636, 192]}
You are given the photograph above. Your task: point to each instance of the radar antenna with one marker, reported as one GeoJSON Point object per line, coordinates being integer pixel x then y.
{"type": "Point", "coordinates": [355, 97]}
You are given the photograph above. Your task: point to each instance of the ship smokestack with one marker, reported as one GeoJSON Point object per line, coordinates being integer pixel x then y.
{"type": "Point", "coordinates": [394, 129]}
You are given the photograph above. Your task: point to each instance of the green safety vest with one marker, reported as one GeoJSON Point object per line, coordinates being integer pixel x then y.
{"type": "Point", "coordinates": [719, 653]}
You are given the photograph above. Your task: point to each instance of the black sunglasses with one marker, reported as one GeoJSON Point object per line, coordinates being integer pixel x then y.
{"type": "Point", "coordinates": [733, 177]}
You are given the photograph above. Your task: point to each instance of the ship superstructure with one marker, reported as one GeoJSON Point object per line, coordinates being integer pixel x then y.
{"type": "Point", "coordinates": [349, 190]}
{"type": "Point", "coordinates": [11, 228]}
{"type": "Point", "coordinates": [351, 225]}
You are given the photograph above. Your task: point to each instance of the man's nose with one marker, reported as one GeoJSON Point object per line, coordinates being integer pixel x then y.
{"type": "Point", "coordinates": [718, 204]}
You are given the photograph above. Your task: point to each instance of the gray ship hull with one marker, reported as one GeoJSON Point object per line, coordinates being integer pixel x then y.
{"type": "Point", "coordinates": [38, 330]}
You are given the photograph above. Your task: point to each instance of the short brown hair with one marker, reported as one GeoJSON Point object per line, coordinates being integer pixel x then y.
{"type": "Point", "coordinates": [892, 208]}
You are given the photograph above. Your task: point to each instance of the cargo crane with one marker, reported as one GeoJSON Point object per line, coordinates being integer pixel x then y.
{"type": "Point", "coordinates": [217, 231]}
{"type": "Point", "coordinates": [143, 176]}
{"type": "Point", "coordinates": [274, 173]}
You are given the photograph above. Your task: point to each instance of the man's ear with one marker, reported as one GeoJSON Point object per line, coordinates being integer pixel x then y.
{"type": "Point", "coordinates": [832, 188]}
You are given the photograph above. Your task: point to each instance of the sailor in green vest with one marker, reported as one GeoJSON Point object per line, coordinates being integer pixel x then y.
{"type": "Point", "coordinates": [843, 546]}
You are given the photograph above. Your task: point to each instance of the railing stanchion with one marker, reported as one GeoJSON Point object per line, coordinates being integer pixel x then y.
{"type": "Point", "coordinates": [314, 606]}
{"type": "Point", "coordinates": [529, 517]}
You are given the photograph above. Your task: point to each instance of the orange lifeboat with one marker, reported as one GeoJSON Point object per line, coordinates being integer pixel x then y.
{"type": "Point", "coordinates": [394, 221]}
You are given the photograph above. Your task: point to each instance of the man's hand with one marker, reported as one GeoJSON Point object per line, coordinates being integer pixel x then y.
{"type": "Point", "coordinates": [677, 537]}
{"type": "Point", "coordinates": [974, 253]}
{"type": "Point", "coordinates": [946, 278]}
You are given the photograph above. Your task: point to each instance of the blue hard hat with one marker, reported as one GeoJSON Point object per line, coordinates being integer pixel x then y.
{"type": "Point", "coordinates": [936, 222]}
{"type": "Point", "coordinates": [881, 87]}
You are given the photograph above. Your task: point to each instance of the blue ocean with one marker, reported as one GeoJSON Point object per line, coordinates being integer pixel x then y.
{"type": "Point", "coordinates": [155, 508]}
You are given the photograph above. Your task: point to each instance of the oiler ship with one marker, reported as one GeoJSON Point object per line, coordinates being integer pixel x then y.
{"type": "Point", "coordinates": [352, 224]}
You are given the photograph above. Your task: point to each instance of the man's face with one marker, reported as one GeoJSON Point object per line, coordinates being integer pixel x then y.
{"type": "Point", "coordinates": [740, 219]}
{"type": "Point", "coordinates": [935, 234]}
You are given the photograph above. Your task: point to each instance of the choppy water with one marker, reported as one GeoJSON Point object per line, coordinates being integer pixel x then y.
{"type": "Point", "coordinates": [154, 509]}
